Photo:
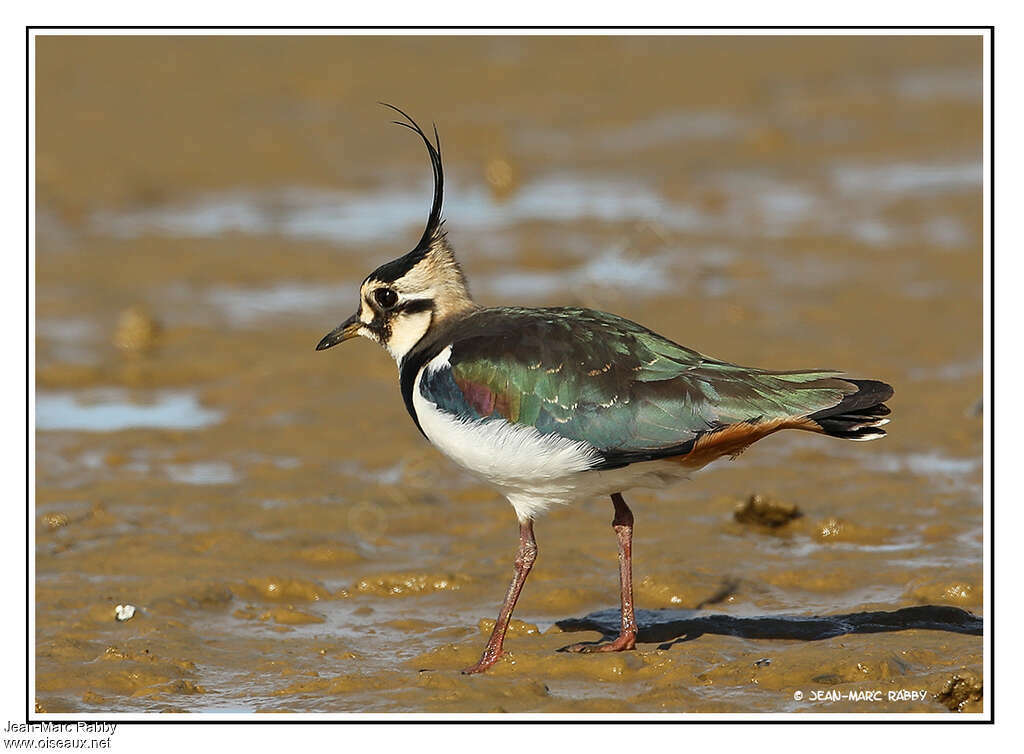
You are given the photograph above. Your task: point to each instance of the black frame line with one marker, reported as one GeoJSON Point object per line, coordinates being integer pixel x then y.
{"type": "Point", "coordinates": [460, 718]}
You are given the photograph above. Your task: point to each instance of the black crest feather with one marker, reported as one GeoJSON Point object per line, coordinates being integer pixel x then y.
{"type": "Point", "coordinates": [433, 230]}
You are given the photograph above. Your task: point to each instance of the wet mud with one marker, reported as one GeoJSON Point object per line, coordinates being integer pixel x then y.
{"type": "Point", "coordinates": [206, 210]}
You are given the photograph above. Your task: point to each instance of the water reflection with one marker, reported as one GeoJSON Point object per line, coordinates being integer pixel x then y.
{"type": "Point", "coordinates": [850, 205]}
{"type": "Point", "coordinates": [113, 410]}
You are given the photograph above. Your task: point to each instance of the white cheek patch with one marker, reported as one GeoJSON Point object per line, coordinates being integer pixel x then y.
{"type": "Point", "coordinates": [406, 332]}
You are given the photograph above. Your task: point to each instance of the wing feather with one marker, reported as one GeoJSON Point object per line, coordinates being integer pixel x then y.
{"type": "Point", "coordinates": [596, 377]}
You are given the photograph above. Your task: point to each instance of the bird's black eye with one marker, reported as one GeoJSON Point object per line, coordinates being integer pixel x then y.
{"type": "Point", "coordinates": [385, 297]}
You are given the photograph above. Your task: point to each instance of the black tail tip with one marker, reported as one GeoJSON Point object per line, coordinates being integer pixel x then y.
{"type": "Point", "coordinates": [860, 415]}
{"type": "Point", "coordinates": [859, 434]}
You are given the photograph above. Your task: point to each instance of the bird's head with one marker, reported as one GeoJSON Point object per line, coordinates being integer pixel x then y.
{"type": "Point", "coordinates": [401, 300]}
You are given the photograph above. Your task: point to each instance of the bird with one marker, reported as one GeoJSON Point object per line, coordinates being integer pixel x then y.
{"type": "Point", "coordinates": [552, 406]}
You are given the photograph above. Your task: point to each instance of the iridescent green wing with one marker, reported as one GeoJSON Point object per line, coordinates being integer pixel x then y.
{"type": "Point", "coordinates": [596, 377]}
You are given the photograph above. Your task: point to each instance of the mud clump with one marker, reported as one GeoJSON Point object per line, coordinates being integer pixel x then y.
{"type": "Point", "coordinates": [342, 684]}
{"type": "Point", "coordinates": [501, 177]}
{"type": "Point", "coordinates": [403, 584]}
{"type": "Point", "coordinates": [515, 627]}
{"type": "Point", "coordinates": [282, 590]}
{"type": "Point", "coordinates": [669, 590]}
{"type": "Point", "coordinates": [831, 528]}
{"type": "Point", "coordinates": [955, 592]}
{"type": "Point", "coordinates": [959, 694]}
{"type": "Point", "coordinates": [53, 521]}
{"type": "Point", "coordinates": [767, 512]}
{"type": "Point", "coordinates": [184, 686]}
{"type": "Point", "coordinates": [286, 615]}
{"type": "Point", "coordinates": [136, 331]}
{"type": "Point", "coordinates": [834, 529]}
{"type": "Point", "coordinates": [211, 596]}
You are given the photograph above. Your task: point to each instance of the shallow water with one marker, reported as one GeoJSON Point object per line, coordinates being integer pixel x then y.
{"type": "Point", "coordinates": [111, 410]}
{"type": "Point", "coordinates": [288, 539]}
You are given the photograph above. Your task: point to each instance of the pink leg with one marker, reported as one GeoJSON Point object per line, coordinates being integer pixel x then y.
{"type": "Point", "coordinates": [523, 563]}
{"type": "Point", "coordinates": [623, 525]}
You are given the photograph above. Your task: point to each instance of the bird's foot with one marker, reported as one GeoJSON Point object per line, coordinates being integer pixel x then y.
{"type": "Point", "coordinates": [486, 660]}
{"type": "Point", "coordinates": [621, 644]}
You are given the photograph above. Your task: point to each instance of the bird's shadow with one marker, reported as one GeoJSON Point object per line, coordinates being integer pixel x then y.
{"type": "Point", "coordinates": [668, 627]}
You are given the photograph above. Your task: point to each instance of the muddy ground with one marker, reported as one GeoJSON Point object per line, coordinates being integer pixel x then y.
{"type": "Point", "coordinates": [206, 208]}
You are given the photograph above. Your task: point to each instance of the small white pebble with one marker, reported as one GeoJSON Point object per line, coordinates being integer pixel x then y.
{"type": "Point", "coordinates": [124, 612]}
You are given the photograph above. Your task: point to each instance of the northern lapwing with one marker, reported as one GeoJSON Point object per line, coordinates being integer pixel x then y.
{"type": "Point", "coordinates": [556, 405]}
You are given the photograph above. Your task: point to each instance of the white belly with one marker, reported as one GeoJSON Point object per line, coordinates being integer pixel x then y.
{"type": "Point", "coordinates": [532, 470]}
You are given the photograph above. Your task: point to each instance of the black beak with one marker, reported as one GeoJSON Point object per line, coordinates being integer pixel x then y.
{"type": "Point", "coordinates": [347, 329]}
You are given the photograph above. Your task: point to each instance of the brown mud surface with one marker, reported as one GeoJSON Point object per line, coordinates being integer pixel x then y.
{"type": "Point", "coordinates": [206, 209]}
